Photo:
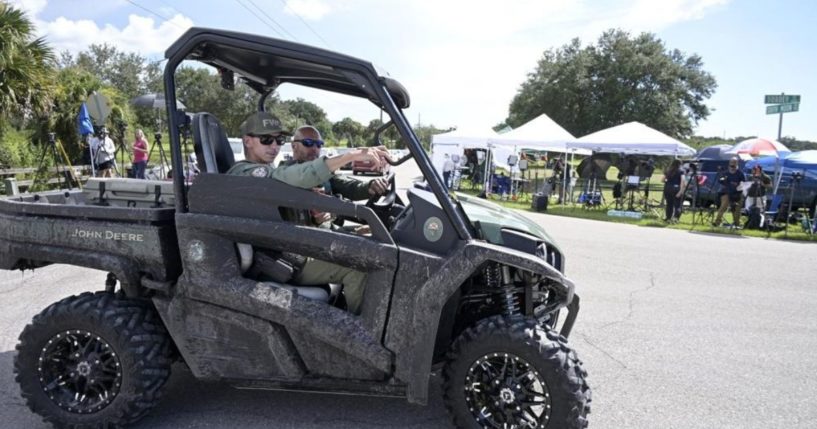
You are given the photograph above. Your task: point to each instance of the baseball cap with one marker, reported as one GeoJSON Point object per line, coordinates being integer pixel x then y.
{"type": "Point", "coordinates": [262, 123]}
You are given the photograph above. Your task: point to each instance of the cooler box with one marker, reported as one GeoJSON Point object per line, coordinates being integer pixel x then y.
{"type": "Point", "coordinates": [122, 192]}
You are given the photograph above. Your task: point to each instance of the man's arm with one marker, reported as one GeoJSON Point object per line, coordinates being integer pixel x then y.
{"type": "Point", "coordinates": [308, 174]}
{"type": "Point", "coordinates": [304, 175]}
{"type": "Point", "coordinates": [352, 189]}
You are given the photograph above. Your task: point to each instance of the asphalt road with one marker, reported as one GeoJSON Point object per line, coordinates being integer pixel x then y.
{"type": "Point", "coordinates": [676, 330]}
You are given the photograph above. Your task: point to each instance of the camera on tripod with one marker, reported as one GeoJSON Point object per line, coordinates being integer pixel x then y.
{"type": "Point", "coordinates": [797, 176]}
{"type": "Point", "coordinates": [186, 125]}
{"type": "Point", "coordinates": [157, 136]}
{"type": "Point", "coordinates": [52, 138]}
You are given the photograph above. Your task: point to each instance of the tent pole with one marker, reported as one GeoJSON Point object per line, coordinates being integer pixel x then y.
{"type": "Point", "coordinates": [485, 174]}
{"type": "Point", "coordinates": [564, 182]}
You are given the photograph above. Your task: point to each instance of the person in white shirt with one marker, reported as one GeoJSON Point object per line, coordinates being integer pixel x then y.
{"type": "Point", "coordinates": [103, 150]}
{"type": "Point", "coordinates": [448, 167]}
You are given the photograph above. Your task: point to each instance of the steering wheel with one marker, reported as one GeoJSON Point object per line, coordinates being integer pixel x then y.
{"type": "Point", "coordinates": [382, 204]}
{"type": "Point", "coordinates": [386, 200]}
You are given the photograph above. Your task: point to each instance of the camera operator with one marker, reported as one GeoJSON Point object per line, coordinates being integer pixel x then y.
{"type": "Point", "coordinates": [104, 150]}
{"type": "Point", "coordinates": [729, 194]}
{"type": "Point", "coordinates": [757, 192]}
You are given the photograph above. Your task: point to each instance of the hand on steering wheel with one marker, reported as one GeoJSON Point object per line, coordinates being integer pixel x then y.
{"type": "Point", "coordinates": [385, 199]}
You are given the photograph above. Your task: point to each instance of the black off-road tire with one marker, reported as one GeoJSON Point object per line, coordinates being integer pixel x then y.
{"type": "Point", "coordinates": [130, 334]}
{"type": "Point", "coordinates": [536, 348]}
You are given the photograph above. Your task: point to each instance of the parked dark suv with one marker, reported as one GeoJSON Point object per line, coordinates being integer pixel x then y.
{"type": "Point", "coordinates": [798, 178]}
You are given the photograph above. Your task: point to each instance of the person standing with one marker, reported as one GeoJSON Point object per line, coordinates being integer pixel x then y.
{"type": "Point", "coordinates": [448, 167]}
{"type": "Point", "coordinates": [757, 192]}
{"type": "Point", "coordinates": [674, 185]}
{"type": "Point", "coordinates": [729, 194]}
{"type": "Point", "coordinates": [140, 155]}
{"type": "Point", "coordinates": [103, 149]}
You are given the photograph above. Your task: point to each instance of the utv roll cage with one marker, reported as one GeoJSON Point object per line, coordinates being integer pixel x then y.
{"type": "Point", "coordinates": [264, 63]}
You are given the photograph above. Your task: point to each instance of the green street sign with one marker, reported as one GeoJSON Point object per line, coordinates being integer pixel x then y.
{"type": "Point", "coordinates": [780, 99]}
{"type": "Point", "coordinates": [782, 108]}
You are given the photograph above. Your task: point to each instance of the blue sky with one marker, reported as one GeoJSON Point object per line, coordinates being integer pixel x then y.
{"type": "Point", "coordinates": [463, 61]}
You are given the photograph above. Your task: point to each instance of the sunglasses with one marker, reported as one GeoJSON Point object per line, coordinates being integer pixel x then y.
{"type": "Point", "coordinates": [267, 140]}
{"type": "Point", "coordinates": [310, 142]}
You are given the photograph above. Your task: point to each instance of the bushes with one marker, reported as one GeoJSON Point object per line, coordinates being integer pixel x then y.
{"type": "Point", "coordinates": [16, 148]}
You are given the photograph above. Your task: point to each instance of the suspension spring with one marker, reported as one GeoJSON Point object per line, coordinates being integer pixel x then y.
{"type": "Point", "coordinates": [493, 275]}
{"type": "Point", "coordinates": [511, 299]}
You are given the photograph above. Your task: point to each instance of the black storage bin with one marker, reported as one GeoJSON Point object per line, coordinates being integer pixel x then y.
{"type": "Point", "coordinates": [539, 202]}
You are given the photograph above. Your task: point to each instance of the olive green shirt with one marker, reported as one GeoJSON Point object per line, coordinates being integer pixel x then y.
{"type": "Point", "coordinates": [346, 187]}
{"type": "Point", "coordinates": [305, 175]}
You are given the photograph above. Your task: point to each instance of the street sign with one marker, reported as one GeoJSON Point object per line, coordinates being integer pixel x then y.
{"type": "Point", "coordinates": [782, 108]}
{"type": "Point", "coordinates": [780, 99]}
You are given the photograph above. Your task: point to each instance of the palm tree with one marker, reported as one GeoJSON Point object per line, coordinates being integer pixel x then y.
{"type": "Point", "coordinates": [26, 66]}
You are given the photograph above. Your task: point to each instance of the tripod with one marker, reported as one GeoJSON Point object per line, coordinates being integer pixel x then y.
{"type": "Point", "coordinates": [120, 148]}
{"type": "Point", "coordinates": [162, 156]}
{"type": "Point", "coordinates": [55, 158]}
{"type": "Point", "coordinates": [695, 208]}
{"type": "Point", "coordinates": [697, 211]}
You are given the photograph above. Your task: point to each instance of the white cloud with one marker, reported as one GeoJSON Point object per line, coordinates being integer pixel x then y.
{"type": "Point", "coordinates": [480, 52]}
{"type": "Point", "coordinates": [32, 7]}
{"type": "Point", "coordinates": [312, 10]}
{"type": "Point", "coordinates": [141, 34]}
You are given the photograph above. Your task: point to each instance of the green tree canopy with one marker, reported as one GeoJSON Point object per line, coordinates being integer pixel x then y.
{"type": "Point", "coordinates": [351, 130]}
{"type": "Point", "coordinates": [309, 113]}
{"type": "Point", "coordinates": [120, 70]}
{"type": "Point", "coordinates": [620, 79]}
{"type": "Point", "coordinates": [26, 66]}
{"type": "Point", "coordinates": [73, 87]}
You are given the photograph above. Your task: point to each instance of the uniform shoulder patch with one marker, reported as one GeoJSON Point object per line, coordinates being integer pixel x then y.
{"type": "Point", "coordinates": [259, 172]}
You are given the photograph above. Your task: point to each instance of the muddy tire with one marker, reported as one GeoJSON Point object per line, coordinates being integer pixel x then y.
{"type": "Point", "coordinates": [513, 373]}
{"type": "Point", "coordinates": [95, 360]}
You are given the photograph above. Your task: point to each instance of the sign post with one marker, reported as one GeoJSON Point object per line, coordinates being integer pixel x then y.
{"type": "Point", "coordinates": [781, 104]}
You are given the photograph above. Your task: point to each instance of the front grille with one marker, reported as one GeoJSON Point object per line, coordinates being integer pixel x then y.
{"type": "Point", "coordinates": [550, 255]}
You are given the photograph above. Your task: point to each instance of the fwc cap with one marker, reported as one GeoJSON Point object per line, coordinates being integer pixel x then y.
{"type": "Point", "coordinates": [262, 124]}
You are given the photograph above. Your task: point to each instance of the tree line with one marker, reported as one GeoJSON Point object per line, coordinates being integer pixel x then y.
{"type": "Point", "coordinates": [41, 92]}
{"type": "Point", "coordinates": [620, 78]}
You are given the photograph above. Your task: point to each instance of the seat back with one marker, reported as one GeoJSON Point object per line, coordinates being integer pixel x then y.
{"type": "Point", "coordinates": [212, 147]}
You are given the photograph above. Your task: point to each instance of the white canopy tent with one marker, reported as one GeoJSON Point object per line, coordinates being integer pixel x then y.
{"type": "Point", "coordinates": [632, 138]}
{"type": "Point", "coordinates": [540, 133]}
{"type": "Point", "coordinates": [454, 142]}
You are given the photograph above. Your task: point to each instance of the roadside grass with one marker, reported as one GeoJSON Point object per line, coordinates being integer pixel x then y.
{"type": "Point", "coordinates": [654, 218]}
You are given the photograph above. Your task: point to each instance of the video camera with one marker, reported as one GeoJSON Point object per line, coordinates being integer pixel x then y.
{"type": "Point", "coordinates": [797, 176]}
{"type": "Point", "coordinates": [157, 136]}
{"type": "Point", "coordinates": [186, 125]}
{"type": "Point", "coordinates": [52, 138]}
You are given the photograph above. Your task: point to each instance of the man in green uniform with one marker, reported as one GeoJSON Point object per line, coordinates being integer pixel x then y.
{"type": "Point", "coordinates": [306, 147]}
{"type": "Point", "coordinates": [262, 135]}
